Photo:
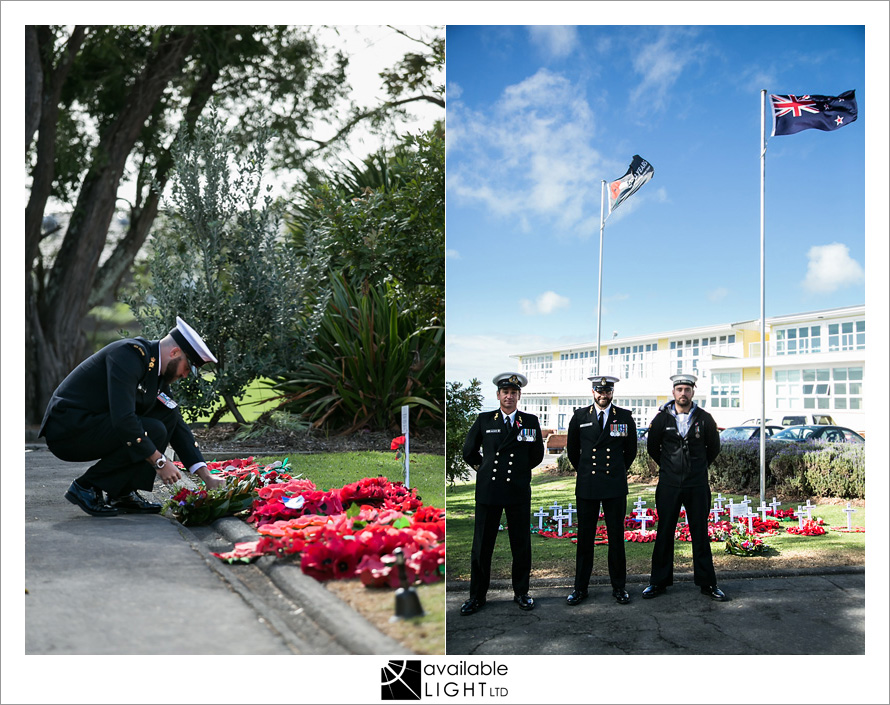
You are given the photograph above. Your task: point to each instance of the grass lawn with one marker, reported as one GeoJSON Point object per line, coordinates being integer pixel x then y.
{"type": "Point", "coordinates": [257, 398]}
{"type": "Point", "coordinates": [423, 635]}
{"type": "Point", "coordinates": [555, 558]}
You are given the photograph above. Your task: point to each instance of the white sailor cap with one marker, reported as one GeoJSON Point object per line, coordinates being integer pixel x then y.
{"type": "Point", "coordinates": [191, 343]}
{"type": "Point", "coordinates": [601, 382]}
{"type": "Point", "coordinates": [510, 379]}
{"type": "Point", "coordinates": [684, 379]}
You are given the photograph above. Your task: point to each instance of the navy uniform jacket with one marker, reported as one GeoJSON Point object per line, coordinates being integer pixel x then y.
{"type": "Point", "coordinates": [504, 467]}
{"type": "Point", "coordinates": [683, 462]}
{"type": "Point", "coordinates": [118, 385]}
{"type": "Point", "coordinates": [601, 457]}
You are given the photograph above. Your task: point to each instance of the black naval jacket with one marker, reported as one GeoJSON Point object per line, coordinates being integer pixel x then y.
{"type": "Point", "coordinates": [504, 467]}
{"type": "Point", "coordinates": [683, 462]}
{"type": "Point", "coordinates": [601, 457]}
{"type": "Point", "coordinates": [120, 383]}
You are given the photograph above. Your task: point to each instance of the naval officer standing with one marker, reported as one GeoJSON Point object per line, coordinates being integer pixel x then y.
{"type": "Point", "coordinates": [511, 445]}
{"type": "Point", "coordinates": [114, 408]}
{"type": "Point", "coordinates": [683, 439]}
{"type": "Point", "coordinates": [601, 446]}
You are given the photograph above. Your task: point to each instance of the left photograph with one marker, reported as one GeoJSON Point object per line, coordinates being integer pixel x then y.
{"type": "Point", "coordinates": [234, 333]}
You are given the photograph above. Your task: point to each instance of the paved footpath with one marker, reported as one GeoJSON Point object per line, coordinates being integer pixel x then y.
{"type": "Point", "coordinates": [143, 584]}
{"type": "Point", "coordinates": [793, 612]}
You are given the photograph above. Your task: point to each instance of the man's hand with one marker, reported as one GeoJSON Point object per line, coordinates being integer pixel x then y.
{"type": "Point", "coordinates": [169, 474]}
{"type": "Point", "coordinates": [210, 481]}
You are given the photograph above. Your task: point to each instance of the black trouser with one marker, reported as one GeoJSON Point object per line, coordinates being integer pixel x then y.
{"type": "Point", "coordinates": [121, 469]}
{"type": "Point", "coordinates": [697, 501]}
{"type": "Point", "coordinates": [614, 509]}
{"type": "Point", "coordinates": [485, 532]}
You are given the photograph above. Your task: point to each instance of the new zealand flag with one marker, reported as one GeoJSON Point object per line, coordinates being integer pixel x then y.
{"type": "Point", "coordinates": [793, 113]}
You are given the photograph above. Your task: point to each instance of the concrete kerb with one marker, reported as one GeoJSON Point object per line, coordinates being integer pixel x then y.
{"type": "Point", "coordinates": [567, 581]}
{"type": "Point", "coordinates": [350, 629]}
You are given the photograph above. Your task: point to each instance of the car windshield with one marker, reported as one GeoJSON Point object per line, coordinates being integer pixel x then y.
{"type": "Point", "coordinates": [788, 433]}
{"type": "Point", "coordinates": [736, 434]}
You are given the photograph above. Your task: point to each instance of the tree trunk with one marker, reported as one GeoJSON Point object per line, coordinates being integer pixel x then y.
{"type": "Point", "coordinates": [233, 407]}
{"type": "Point", "coordinates": [55, 313]}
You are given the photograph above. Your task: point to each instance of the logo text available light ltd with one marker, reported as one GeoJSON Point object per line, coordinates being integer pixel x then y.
{"type": "Point", "coordinates": [411, 680]}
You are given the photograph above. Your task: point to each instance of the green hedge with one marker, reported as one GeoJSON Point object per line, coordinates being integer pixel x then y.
{"type": "Point", "coordinates": [800, 470]}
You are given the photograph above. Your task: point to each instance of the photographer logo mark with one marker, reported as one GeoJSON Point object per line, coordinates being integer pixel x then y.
{"type": "Point", "coordinates": [400, 680]}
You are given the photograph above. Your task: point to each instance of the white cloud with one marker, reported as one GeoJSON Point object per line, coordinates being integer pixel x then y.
{"type": "Point", "coordinates": [453, 91]}
{"type": "Point", "coordinates": [546, 303]}
{"type": "Point", "coordinates": [661, 62]}
{"type": "Point", "coordinates": [529, 155]}
{"type": "Point", "coordinates": [718, 294]}
{"type": "Point", "coordinates": [557, 41]}
{"type": "Point", "coordinates": [831, 268]}
{"type": "Point", "coordinates": [452, 254]}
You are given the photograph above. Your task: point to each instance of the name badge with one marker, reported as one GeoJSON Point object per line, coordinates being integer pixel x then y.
{"type": "Point", "coordinates": [167, 401]}
{"type": "Point", "coordinates": [585, 425]}
{"type": "Point", "coordinates": [493, 430]}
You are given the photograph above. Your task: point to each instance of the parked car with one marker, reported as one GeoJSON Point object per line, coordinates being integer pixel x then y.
{"type": "Point", "coordinates": [807, 420]}
{"type": "Point", "coordinates": [831, 434]}
{"type": "Point", "coordinates": [756, 422]}
{"type": "Point", "coordinates": [746, 433]}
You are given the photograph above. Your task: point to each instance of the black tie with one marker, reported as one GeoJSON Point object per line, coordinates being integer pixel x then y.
{"type": "Point", "coordinates": [601, 420]}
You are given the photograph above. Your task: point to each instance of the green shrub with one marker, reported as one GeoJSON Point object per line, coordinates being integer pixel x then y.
{"type": "Point", "coordinates": [643, 467]}
{"type": "Point", "coordinates": [563, 465]}
{"type": "Point", "coordinates": [737, 467]}
{"type": "Point", "coordinates": [836, 470]}
{"type": "Point", "coordinates": [371, 357]}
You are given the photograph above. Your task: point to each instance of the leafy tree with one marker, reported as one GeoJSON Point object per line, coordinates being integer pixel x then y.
{"type": "Point", "coordinates": [105, 104]}
{"type": "Point", "coordinates": [386, 221]}
{"type": "Point", "coordinates": [462, 404]}
{"type": "Point", "coordinates": [220, 263]}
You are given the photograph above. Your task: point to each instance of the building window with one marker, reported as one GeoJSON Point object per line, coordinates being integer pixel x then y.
{"type": "Point", "coordinates": [820, 388]}
{"type": "Point", "coordinates": [538, 407]}
{"type": "Point", "coordinates": [537, 367]}
{"type": "Point", "coordinates": [642, 408]}
{"type": "Point", "coordinates": [726, 388]}
{"type": "Point", "coordinates": [799, 340]}
{"type": "Point", "coordinates": [849, 335]}
{"type": "Point", "coordinates": [685, 354]}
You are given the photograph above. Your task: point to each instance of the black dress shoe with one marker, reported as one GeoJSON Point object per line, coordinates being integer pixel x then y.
{"type": "Point", "coordinates": [620, 594]}
{"type": "Point", "coordinates": [133, 503]}
{"type": "Point", "coordinates": [91, 501]}
{"type": "Point", "coordinates": [714, 593]}
{"type": "Point", "coordinates": [653, 591]}
{"type": "Point", "coordinates": [525, 602]}
{"type": "Point", "coordinates": [577, 596]}
{"type": "Point", "coordinates": [470, 606]}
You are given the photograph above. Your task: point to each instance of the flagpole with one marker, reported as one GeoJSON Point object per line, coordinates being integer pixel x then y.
{"type": "Point", "coordinates": [762, 300]}
{"type": "Point", "coordinates": [599, 297]}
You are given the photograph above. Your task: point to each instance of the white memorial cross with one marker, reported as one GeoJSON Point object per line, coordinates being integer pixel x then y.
{"type": "Point", "coordinates": [541, 516]}
{"type": "Point", "coordinates": [808, 508]}
{"type": "Point", "coordinates": [736, 510]}
{"type": "Point", "coordinates": [775, 505]}
{"type": "Point", "coordinates": [643, 517]}
{"type": "Point", "coordinates": [799, 516]}
{"type": "Point", "coordinates": [685, 514]}
{"type": "Point", "coordinates": [849, 512]}
{"type": "Point", "coordinates": [557, 509]}
{"type": "Point", "coordinates": [763, 509]}
{"type": "Point", "coordinates": [568, 514]}
{"type": "Point", "coordinates": [716, 512]}
{"type": "Point", "coordinates": [560, 518]}
{"type": "Point", "coordinates": [750, 516]}
{"type": "Point", "coordinates": [639, 504]}
{"type": "Point", "coordinates": [720, 499]}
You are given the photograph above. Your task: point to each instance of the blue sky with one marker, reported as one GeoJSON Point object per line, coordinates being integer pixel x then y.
{"type": "Point", "coordinates": [539, 116]}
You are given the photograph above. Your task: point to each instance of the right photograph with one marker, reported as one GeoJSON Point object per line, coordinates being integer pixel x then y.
{"type": "Point", "coordinates": [656, 340]}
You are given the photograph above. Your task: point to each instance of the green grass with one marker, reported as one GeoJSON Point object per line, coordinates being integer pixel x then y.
{"type": "Point", "coordinates": [556, 557]}
{"type": "Point", "coordinates": [423, 635]}
{"type": "Point", "coordinates": [258, 398]}
{"type": "Point", "coordinates": [329, 470]}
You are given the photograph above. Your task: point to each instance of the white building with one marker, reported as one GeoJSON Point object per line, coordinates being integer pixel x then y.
{"type": "Point", "coordinates": [815, 362]}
